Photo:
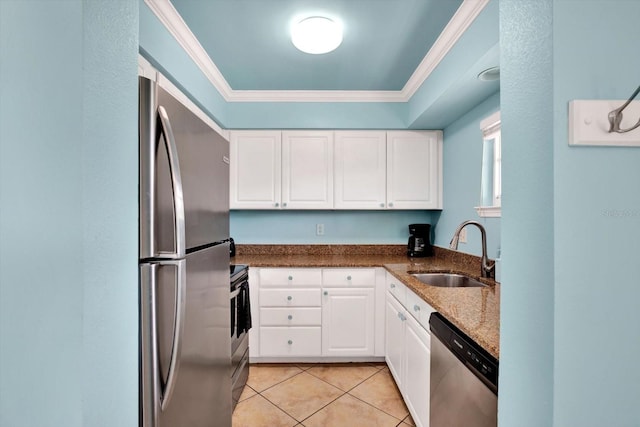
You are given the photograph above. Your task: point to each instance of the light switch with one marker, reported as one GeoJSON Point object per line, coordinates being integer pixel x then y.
{"type": "Point", "coordinates": [589, 123]}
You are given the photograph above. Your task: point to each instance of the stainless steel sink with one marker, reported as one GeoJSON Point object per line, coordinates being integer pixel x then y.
{"type": "Point", "coordinates": [448, 280]}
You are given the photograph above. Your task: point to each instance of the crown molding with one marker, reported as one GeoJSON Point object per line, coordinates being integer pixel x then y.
{"type": "Point", "coordinates": [173, 22]}
{"type": "Point", "coordinates": [455, 28]}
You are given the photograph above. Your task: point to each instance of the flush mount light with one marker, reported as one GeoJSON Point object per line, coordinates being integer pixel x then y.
{"type": "Point", "coordinates": [316, 35]}
{"type": "Point", "coordinates": [489, 74]}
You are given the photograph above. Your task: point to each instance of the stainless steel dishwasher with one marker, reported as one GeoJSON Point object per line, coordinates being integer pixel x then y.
{"type": "Point", "coordinates": [464, 379]}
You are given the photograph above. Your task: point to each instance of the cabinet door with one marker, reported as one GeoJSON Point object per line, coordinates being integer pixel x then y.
{"type": "Point", "coordinates": [394, 344]}
{"type": "Point", "coordinates": [255, 169]}
{"type": "Point", "coordinates": [307, 170]}
{"type": "Point", "coordinates": [414, 170]}
{"type": "Point", "coordinates": [348, 322]}
{"type": "Point", "coordinates": [417, 359]}
{"type": "Point", "coordinates": [360, 169]}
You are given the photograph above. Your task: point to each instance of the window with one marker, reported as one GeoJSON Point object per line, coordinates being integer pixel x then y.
{"type": "Point", "coordinates": [491, 182]}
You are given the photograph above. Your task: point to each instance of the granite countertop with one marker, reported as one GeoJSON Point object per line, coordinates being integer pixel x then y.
{"type": "Point", "coordinates": [476, 311]}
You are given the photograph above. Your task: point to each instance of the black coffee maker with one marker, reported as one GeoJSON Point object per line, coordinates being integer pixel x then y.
{"type": "Point", "coordinates": [419, 240]}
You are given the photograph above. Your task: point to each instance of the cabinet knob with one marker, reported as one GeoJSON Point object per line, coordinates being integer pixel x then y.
{"type": "Point", "coordinates": [284, 205]}
{"type": "Point", "coordinates": [290, 278]}
{"type": "Point", "coordinates": [416, 307]}
{"type": "Point", "coordinates": [326, 292]}
{"type": "Point", "coordinates": [401, 317]}
{"type": "Point", "coordinates": [348, 277]}
{"type": "Point", "coordinates": [393, 285]}
{"type": "Point", "coordinates": [289, 298]}
{"type": "Point", "coordinates": [276, 204]}
{"type": "Point", "coordinates": [289, 317]}
{"type": "Point", "coordinates": [391, 204]}
{"type": "Point", "coordinates": [382, 205]}
{"type": "Point", "coordinates": [289, 342]}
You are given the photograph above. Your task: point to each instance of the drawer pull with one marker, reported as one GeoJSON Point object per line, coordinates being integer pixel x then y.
{"type": "Point", "coordinates": [289, 317]}
{"type": "Point", "coordinates": [326, 292]}
{"type": "Point", "coordinates": [289, 342]}
{"type": "Point", "coordinates": [348, 277]}
{"type": "Point", "coordinates": [416, 307]}
{"type": "Point", "coordinates": [393, 285]}
{"type": "Point", "coordinates": [290, 278]}
{"type": "Point", "coordinates": [289, 298]}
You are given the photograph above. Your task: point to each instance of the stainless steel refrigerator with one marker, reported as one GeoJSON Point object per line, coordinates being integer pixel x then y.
{"type": "Point", "coordinates": [185, 349]}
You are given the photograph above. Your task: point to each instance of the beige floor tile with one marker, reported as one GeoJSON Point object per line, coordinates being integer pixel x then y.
{"type": "Point", "coordinates": [348, 411]}
{"type": "Point", "coordinates": [305, 366]}
{"type": "Point", "coordinates": [263, 376]}
{"type": "Point", "coordinates": [345, 376]}
{"type": "Point", "coordinates": [257, 411]}
{"type": "Point", "coordinates": [380, 391]}
{"type": "Point", "coordinates": [409, 421]}
{"type": "Point", "coordinates": [247, 392]}
{"type": "Point", "coordinates": [302, 395]}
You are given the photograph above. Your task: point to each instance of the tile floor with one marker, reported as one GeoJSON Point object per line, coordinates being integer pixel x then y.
{"type": "Point", "coordinates": [321, 395]}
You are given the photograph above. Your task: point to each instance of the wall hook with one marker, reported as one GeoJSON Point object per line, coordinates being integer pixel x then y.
{"type": "Point", "coordinates": [615, 116]}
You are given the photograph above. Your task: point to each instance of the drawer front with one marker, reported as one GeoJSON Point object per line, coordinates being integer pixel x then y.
{"type": "Point", "coordinates": [289, 297]}
{"type": "Point", "coordinates": [290, 341]}
{"type": "Point", "coordinates": [307, 316]}
{"type": "Point", "coordinates": [419, 308]}
{"type": "Point", "coordinates": [397, 289]}
{"type": "Point", "coordinates": [346, 277]}
{"type": "Point", "coordinates": [281, 277]}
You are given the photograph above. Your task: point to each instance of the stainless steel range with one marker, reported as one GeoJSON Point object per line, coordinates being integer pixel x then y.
{"type": "Point", "coordinates": [240, 325]}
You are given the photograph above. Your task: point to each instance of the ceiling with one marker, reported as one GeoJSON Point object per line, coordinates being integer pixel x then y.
{"type": "Point", "coordinates": [384, 41]}
{"type": "Point", "coordinates": [424, 54]}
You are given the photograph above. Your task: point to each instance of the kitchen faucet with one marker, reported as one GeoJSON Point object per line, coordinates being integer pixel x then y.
{"type": "Point", "coordinates": [486, 268]}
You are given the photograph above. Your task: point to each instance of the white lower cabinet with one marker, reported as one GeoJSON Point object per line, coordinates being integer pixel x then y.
{"type": "Point", "coordinates": [394, 344]}
{"type": "Point", "coordinates": [417, 360]}
{"type": "Point", "coordinates": [317, 313]}
{"type": "Point", "coordinates": [348, 322]}
{"type": "Point", "coordinates": [289, 341]}
{"type": "Point", "coordinates": [408, 348]}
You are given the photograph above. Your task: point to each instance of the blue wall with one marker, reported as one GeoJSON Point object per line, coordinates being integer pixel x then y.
{"type": "Point", "coordinates": [341, 227]}
{"type": "Point", "coordinates": [526, 306]}
{"type": "Point", "coordinates": [68, 213]}
{"type": "Point", "coordinates": [597, 268]}
{"type": "Point", "coordinates": [569, 310]}
{"type": "Point", "coordinates": [462, 168]}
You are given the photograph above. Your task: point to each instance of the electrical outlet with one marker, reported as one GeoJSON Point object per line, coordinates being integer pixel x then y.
{"type": "Point", "coordinates": [319, 229]}
{"type": "Point", "coordinates": [463, 236]}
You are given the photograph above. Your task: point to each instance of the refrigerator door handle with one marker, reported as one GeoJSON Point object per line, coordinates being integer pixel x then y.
{"type": "Point", "coordinates": [176, 347]}
{"type": "Point", "coordinates": [149, 375]}
{"type": "Point", "coordinates": [155, 397]}
{"type": "Point", "coordinates": [176, 184]}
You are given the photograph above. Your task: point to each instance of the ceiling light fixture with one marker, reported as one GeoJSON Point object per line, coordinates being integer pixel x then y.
{"type": "Point", "coordinates": [489, 74]}
{"type": "Point", "coordinates": [316, 35]}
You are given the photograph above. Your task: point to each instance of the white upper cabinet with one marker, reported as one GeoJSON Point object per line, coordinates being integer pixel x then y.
{"type": "Point", "coordinates": [255, 169]}
{"type": "Point", "coordinates": [414, 169]}
{"type": "Point", "coordinates": [307, 170]}
{"type": "Point", "coordinates": [388, 170]}
{"type": "Point", "coordinates": [360, 169]}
